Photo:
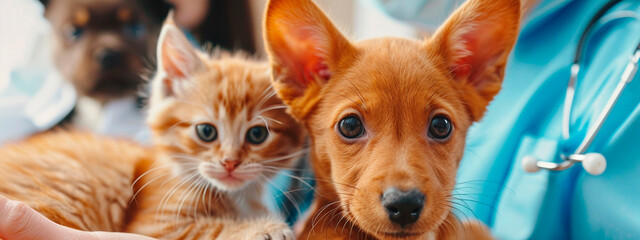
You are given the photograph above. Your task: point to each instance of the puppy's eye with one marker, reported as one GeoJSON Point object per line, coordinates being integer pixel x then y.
{"type": "Point", "coordinates": [351, 127]}
{"type": "Point", "coordinates": [206, 132]}
{"type": "Point", "coordinates": [134, 29]}
{"type": "Point", "coordinates": [257, 135]}
{"type": "Point", "coordinates": [76, 32]}
{"type": "Point", "coordinates": [440, 127]}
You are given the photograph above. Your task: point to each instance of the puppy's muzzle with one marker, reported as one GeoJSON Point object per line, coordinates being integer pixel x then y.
{"type": "Point", "coordinates": [403, 207]}
{"type": "Point", "coordinates": [109, 58]}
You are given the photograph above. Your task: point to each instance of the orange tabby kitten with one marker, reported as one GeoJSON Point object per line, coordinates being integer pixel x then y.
{"type": "Point", "coordinates": [220, 133]}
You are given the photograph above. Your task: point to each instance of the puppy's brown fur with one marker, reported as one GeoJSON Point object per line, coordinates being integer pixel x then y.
{"type": "Point", "coordinates": [395, 87]}
{"type": "Point", "coordinates": [100, 45]}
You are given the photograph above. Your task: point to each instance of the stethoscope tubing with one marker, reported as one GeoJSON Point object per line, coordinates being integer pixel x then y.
{"type": "Point", "coordinates": [594, 163]}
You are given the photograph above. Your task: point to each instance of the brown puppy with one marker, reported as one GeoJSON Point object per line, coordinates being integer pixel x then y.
{"type": "Point", "coordinates": [100, 45]}
{"type": "Point", "coordinates": [388, 117]}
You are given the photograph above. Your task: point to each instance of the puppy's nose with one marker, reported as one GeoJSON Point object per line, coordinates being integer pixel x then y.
{"type": "Point", "coordinates": [230, 164]}
{"type": "Point", "coordinates": [109, 58]}
{"type": "Point", "coordinates": [403, 207]}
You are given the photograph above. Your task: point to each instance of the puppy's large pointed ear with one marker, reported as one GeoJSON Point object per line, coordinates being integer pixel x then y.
{"type": "Point", "coordinates": [177, 58]}
{"type": "Point", "coordinates": [304, 48]}
{"type": "Point", "coordinates": [475, 42]}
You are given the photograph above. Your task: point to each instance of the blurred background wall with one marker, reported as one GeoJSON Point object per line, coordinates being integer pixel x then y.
{"type": "Point", "coordinates": [356, 19]}
{"type": "Point", "coordinates": [236, 24]}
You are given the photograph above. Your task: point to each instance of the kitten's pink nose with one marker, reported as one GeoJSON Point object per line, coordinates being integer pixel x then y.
{"type": "Point", "coordinates": [230, 164]}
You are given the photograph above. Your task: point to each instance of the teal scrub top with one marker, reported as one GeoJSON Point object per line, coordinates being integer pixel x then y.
{"type": "Point", "coordinates": [525, 119]}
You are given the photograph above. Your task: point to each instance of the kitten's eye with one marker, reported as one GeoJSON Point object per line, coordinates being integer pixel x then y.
{"type": "Point", "coordinates": [351, 127]}
{"type": "Point", "coordinates": [440, 127]}
{"type": "Point", "coordinates": [206, 132]}
{"type": "Point", "coordinates": [257, 135]}
{"type": "Point", "coordinates": [76, 32]}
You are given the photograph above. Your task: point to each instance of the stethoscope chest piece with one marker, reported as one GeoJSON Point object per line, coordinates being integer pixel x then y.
{"type": "Point", "coordinates": [593, 163]}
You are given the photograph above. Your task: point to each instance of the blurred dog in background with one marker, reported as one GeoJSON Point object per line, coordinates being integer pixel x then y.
{"type": "Point", "coordinates": [104, 48]}
{"type": "Point", "coordinates": [101, 45]}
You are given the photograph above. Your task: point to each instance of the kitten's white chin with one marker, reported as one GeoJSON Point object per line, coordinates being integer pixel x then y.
{"type": "Point", "coordinates": [225, 181]}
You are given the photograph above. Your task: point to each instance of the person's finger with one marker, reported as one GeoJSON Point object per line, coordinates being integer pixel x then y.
{"type": "Point", "coordinates": [118, 236]}
{"type": "Point", "coordinates": [19, 221]}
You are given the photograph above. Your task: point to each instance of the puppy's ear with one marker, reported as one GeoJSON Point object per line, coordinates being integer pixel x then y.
{"type": "Point", "coordinates": [177, 58]}
{"type": "Point", "coordinates": [475, 43]}
{"type": "Point", "coordinates": [304, 48]}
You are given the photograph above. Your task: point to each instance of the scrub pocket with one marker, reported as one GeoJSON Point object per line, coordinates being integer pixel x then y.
{"type": "Point", "coordinates": [523, 194]}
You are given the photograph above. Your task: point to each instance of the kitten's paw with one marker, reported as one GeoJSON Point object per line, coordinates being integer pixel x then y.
{"type": "Point", "coordinates": [276, 232]}
{"type": "Point", "coordinates": [278, 235]}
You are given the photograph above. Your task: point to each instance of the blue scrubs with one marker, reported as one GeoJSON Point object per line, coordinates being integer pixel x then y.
{"type": "Point", "coordinates": [525, 119]}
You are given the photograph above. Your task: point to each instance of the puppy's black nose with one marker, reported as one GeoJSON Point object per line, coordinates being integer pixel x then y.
{"type": "Point", "coordinates": [109, 58]}
{"type": "Point", "coordinates": [403, 207]}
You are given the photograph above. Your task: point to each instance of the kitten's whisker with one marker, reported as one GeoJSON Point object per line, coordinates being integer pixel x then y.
{"type": "Point", "coordinates": [315, 179]}
{"type": "Point", "coordinates": [292, 191]}
{"type": "Point", "coordinates": [265, 98]}
{"type": "Point", "coordinates": [291, 155]}
{"type": "Point", "coordinates": [133, 198]}
{"type": "Point", "coordinates": [193, 186]}
{"type": "Point", "coordinates": [288, 196]}
{"type": "Point", "coordinates": [147, 172]}
{"type": "Point", "coordinates": [289, 169]}
{"type": "Point", "coordinates": [291, 176]}
{"type": "Point", "coordinates": [157, 216]}
{"type": "Point", "coordinates": [167, 197]}
{"type": "Point", "coordinates": [266, 91]}
{"type": "Point", "coordinates": [266, 124]}
{"type": "Point", "coordinates": [274, 107]}
{"type": "Point", "coordinates": [273, 120]}
{"type": "Point", "coordinates": [205, 204]}
{"type": "Point", "coordinates": [302, 181]}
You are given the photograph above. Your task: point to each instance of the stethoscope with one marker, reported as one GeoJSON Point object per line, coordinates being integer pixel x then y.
{"type": "Point", "coordinates": [593, 163]}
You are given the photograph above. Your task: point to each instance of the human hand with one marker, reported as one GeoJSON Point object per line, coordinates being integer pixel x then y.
{"type": "Point", "coordinates": [19, 221]}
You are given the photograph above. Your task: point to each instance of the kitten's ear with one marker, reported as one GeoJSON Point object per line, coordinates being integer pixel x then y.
{"type": "Point", "coordinates": [177, 58]}
{"type": "Point", "coordinates": [305, 49]}
{"type": "Point", "coordinates": [475, 43]}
